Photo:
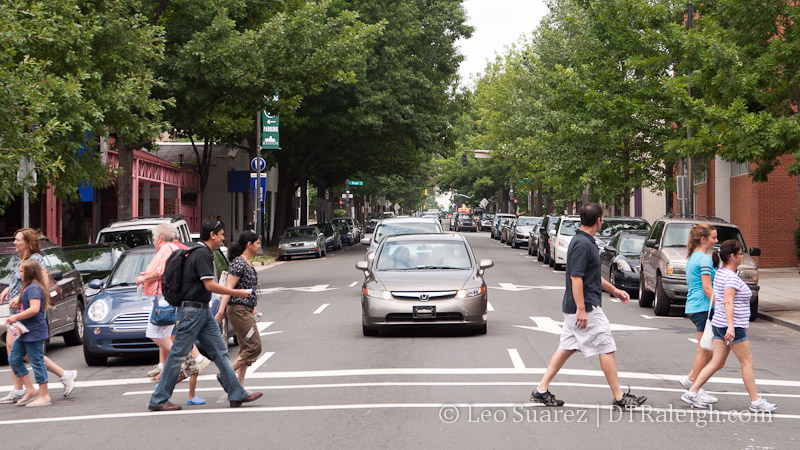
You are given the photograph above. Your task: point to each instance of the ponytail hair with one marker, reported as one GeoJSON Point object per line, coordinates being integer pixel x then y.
{"type": "Point", "coordinates": [699, 231]}
{"type": "Point", "coordinates": [30, 271]}
{"type": "Point", "coordinates": [237, 248]}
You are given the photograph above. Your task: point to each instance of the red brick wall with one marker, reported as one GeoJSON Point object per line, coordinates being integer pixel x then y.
{"type": "Point", "coordinates": [767, 213]}
{"type": "Point", "coordinates": [705, 204]}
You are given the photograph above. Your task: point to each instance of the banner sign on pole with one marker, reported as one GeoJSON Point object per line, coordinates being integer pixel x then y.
{"type": "Point", "coordinates": [270, 134]}
{"type": "Point", "coordinates": [263, 185]}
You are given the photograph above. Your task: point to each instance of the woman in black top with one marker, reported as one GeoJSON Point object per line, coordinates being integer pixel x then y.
{"type": "Point", "coordinates": [242, 275]}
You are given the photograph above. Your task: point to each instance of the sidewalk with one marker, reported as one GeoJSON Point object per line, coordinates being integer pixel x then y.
{"type": "Point", "coordinates": [779, 297]}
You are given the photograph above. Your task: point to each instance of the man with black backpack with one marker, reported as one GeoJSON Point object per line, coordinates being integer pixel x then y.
{"type": "Point", "coordinates": [195, 321]}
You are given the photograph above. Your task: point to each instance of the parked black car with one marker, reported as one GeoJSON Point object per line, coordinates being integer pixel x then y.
{"type": "Point", "coordinates": [67, 300]}
{"type": "Point", "coordinates": [548, 224]}
{"type": "Point", "coordinates": [333, 239]}
{"type": "Point", "coordinates": [619, 260]}
{"type": "Point", "coordinates": [613, 224]}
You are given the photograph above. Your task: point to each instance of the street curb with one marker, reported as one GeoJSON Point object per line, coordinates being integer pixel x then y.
{"type": "Point", "coordinates": [779, 321]}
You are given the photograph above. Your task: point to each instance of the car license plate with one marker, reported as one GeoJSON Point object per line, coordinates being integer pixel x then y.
{"type": "Point", "coordinates": [424, 312]}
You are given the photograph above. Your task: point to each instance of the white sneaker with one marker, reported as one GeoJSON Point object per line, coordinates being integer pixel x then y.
{"type": "Point", "coordinates": [69, 381]}
{"type": "Point", "coordinates": [705, 397]}
{"type": "Point", "coordinates": [201, 366]}
{"type": "Point", "coordinates": [12, 397]}
{"type": "Point", "coordinates": [685, 382]}
{"type": "Point", "coordinates": [154, 371]}
{"type": "Point", "coordinates": [694, 400]}
{"type": "Point", "coordinates": [761, 405]}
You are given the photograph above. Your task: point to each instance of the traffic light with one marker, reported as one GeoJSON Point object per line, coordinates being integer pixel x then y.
{"type": "Point", "coordinates": [464, 159]}
{"type": "Point", "coordinates": [515, 201]}
{"type": "Point", "coordinates": [426, 192]}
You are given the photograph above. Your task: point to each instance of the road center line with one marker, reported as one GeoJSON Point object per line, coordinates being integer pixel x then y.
{"type": "Point", "coordinates": [489, 307]}
{"type": "Point", "coordinates": [321, 308]}
{"type": "Point", "coordinates": [515, 358]}
{"type": "Point", "coordinates": [353, 284]}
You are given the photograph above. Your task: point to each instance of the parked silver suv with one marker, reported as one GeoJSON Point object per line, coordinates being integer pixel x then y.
{"type": "Point", "coordinates": [662, 274]}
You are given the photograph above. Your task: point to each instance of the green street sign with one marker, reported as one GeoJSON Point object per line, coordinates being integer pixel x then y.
{"type": "Point", "coordinates": [270, 135]}
{"type": "Point", "coordinates": [355, 183]}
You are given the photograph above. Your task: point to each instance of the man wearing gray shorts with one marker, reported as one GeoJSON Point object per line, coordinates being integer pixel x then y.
{"type": "Point", "coordinates": [586, 328]}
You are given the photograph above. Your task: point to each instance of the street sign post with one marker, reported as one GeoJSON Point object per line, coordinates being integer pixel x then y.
{"type": "Point", "coordinates": [355, 183]}
{"type": "Point", "coordinates": [258, 164]}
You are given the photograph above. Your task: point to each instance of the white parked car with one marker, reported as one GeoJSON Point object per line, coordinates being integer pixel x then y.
{"type": "Point", "coordinates": [560, 237]}
{"type": "Point", "coordinates": [136, 231]}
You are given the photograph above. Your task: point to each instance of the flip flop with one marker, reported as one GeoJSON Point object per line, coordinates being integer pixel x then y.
{"type": "Point", "coordinates": [156, 379]}
{"type": "Point", "coordinates": [25, 403]}
{"type": "Point", "coordinates": [31, 405]}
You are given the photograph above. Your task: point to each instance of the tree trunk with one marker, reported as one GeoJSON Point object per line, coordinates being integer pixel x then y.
{"type": "Point", "coordinates": [124, 180]}
{"type": "Point", "coordinates": [304, 203]}
{"type": "Point", "coordinates": [284, 213]}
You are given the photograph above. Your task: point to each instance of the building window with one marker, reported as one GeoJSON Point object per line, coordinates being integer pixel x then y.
{"type": "Point", "coordinates": [699, 170]}
{"type": "Point", "coordinates": [740, 168]}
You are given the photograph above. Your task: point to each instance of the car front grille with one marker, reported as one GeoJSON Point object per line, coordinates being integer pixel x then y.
{"type": "Point", "coordinates": [131, 321]}
{"type": "Point", "coordinates": [415, 295]}
{"type": "Point", "coordinates": [409, 317]}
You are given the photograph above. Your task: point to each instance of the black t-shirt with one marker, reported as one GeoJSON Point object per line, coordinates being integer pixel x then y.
{"type": "Point", "coordinates": [199, 266]}
{"type": "Point", "coordinates": [583, 260]}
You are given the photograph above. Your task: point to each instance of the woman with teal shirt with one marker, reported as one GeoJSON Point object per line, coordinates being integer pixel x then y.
{"type": "Point", "coordinates": [700, 271]}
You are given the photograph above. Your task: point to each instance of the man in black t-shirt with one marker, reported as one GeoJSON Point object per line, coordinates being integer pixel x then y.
{"type": "Point", "coordinates": [586, 328]}
{"type": "Point", "coordinates": [195, 322]}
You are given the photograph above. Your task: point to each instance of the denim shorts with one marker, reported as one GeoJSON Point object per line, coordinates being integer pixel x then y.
{"type": "Point", "coordinates": [699, 319]}
{"type": "Point", "coordinates": [740, 334]}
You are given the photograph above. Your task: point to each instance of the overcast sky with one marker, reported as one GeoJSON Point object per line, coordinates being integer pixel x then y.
{"type": "Point", "coordinates": [498, 24]}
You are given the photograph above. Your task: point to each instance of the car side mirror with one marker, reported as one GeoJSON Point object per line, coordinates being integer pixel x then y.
{"type": "Point", "coordinates": [609, 248]}
{"type": "Point", "coordinates": [486, 264]}
{"type": "Point", "coordinates": [56, 274]}
{"type": "Point", "coordinates": [362, 265]}
{"type": "Point", "coordinates": [755, 251]}
{"type": "Point", "coordinates": [552, 232]}
{"type": "Point", "coordinates": [96, 284]}
{"type": "Point", "coordinates": [365, 241]}
{"type": "Point", "coordinates": [651, 243]}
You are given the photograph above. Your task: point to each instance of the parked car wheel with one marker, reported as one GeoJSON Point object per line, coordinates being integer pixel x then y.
{"type": "Point", "coordinates": [661, 307]}
{"type": "Point", "coordinates": [369, 331]}
{"type": "Point", "coordinates": [753, 309]}
{"type": "Point", "coordinates": [645, 296]}
{"type": "Point", "coordinates": [75, 336]}
{"type": "Point", "coordinates": [539, 256]}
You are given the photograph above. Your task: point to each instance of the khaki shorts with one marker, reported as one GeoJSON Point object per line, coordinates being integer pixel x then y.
{"type": "Point", "coordinates": [242, 320]}
{"type": "Point", "coordinates": [595, 339]}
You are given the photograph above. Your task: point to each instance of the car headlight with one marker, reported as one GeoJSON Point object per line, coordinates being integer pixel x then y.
{"type": "Point", "coordinates": [378, 293]}
{"type": "Point", "coordinates": [474, 292]}
{"type": "Point", "coordinates": [676, 270]}
{"type": "Point", "coordinates": [563, 243]}
{"type": "Point", "coordinates": [98, 311]}
{"type": "Point", "coordinates": [284, 246]}
{"type": "Point", "coordinates": [624, 266]}
{"type": "Point", "coordinates": [310, 244]}
{"type": "Point", "coordinates": [749, 275]}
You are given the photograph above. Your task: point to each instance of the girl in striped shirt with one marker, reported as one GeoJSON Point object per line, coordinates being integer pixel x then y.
{"type": "Point", "coordinates": [730, 323]}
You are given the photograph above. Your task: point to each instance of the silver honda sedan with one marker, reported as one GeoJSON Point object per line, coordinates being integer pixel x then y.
{"type": "Point", "coordinates": [423, 279]}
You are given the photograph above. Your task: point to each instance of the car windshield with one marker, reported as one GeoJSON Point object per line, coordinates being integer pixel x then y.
{"type": "Point", "coordinates": [677, 234]}
{"type": "Point", "coordinates": [8, 263]}
{"type": "Point", "coordinates": [128, 268]}
{"type": "Point", "coordinates": [90, 259]}
{"type": "Point", "coordinates": [570, 227]}
{"type": "Point", "coordinates": [131, 238]}
{"type": "Point", "coordinates": [528, 222]}
{"type": "Point", "coordinates": [724, 233]}
{"type": "Point", "coordinates": [393, 229]}
{"type": "Point", "coordinates": [551, 225]}
{"type": "Point", "coordinates": [299, 232]}
{"type": "Point", "coordinates": [631, 244]}
{"type": "Point", "coordinates": [487, 216]}
{"type": "Point", "coordinates": [424, 256]}
{"type": "Point", "coordinates": [611, 226]}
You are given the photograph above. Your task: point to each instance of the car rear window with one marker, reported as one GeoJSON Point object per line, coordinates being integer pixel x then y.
{"type": "Point", "coordinates": [131, 238]}
{"type": "Point", "coordinates": [404, 228]}
{"type": "Point", "coordinates": [528, 221]}
{"type": "Point", "coordinates": [90, 259]}
{"type": "Point", "coordinates": [611, 226]}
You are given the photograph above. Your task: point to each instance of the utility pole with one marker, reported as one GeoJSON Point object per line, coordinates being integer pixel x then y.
{"type": "Point", "coordinates": [258, 177]}
{"type": "Point", "coordinates": [347, 196]}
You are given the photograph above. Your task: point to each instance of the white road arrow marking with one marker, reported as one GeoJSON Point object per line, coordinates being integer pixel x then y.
{"type": "Point", "coordinates": [322, 308]}
{"type": "Point", "coordinates": [657, 317]}
{"type": "Point", "coordinates": [551, 326]}
{"type": "Point", "coordinates": [489, 307]}
{"type": "Point", "coordinates": [259, 362]}
{"type": "Point", "coordinates": [353, 284]}
{"type": "Point", "coordinates": [515, 358]}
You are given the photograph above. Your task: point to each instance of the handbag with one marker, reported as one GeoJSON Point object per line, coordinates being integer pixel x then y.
{"type": "Point", "coordinates": [162, 315]}
{"type": "Point", "coordinates": [706, 342]}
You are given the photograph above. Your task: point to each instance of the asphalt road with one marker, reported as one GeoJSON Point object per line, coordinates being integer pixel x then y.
{"type": "Point", "coordinates": [327, 386]}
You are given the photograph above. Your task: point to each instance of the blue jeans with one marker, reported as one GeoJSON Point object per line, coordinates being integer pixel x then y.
{"type": "Point", "coordinates": [196, 324]}
{"type": "Point", "coordinates": [35, 352]}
